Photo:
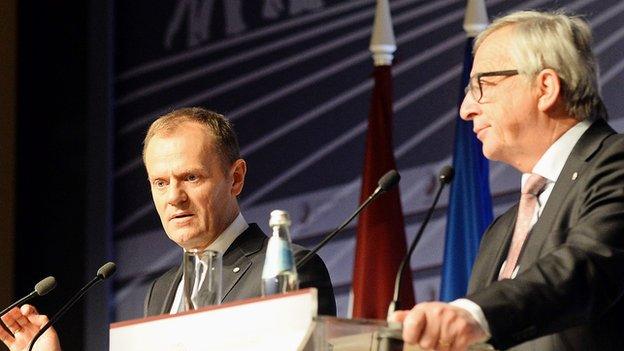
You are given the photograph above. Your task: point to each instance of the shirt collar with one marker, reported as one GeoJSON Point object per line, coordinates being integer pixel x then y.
{"type": "Point", "coordinates": [221, 244]}
{"type": "Point", "coordinates": [552, 161]}
{"type": "Point", "coordinates": [223, 241]}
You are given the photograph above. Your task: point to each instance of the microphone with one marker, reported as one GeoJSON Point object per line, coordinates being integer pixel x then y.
{"type": "Point", "coordinates": [385, 183]}
{"type": "Point", "coordinates": [107, 270]}
{"type": "Point", "coordinates": [445, 177]}
{"type": "Point", "coordinates": [43, 287]}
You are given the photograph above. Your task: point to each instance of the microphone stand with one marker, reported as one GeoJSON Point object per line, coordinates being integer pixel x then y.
{"type": "Point", "coordinates": [386, 182]}
{"type": "Point", "coordinates": [104, 272]}
{"type": "Point", "coordinates": [391, 340]}
{"type": "Point", "coordinates": [307, 257]}
{"type": "Point", "coordinates": [395, 304]}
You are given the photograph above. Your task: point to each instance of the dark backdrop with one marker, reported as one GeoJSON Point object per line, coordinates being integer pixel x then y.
{"type": "Point", "coordinates": [67, 142]}
{"type": "Point", "coordinates": [51, 148]}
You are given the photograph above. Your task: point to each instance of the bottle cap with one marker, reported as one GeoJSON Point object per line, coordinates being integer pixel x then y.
{"type": "Point", "coordinates": [279, 218]}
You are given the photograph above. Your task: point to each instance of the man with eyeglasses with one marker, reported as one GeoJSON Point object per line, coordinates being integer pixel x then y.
{"type": "Point", "coordinates": [550, 271]}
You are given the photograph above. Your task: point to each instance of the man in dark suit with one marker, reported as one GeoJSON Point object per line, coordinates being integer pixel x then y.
{"type": "Point", "coordinates": [549, 273]}
{"type": "Point", "coordinates": [242, 270]}
{"type": "Point", "coordinates": [195, 174]}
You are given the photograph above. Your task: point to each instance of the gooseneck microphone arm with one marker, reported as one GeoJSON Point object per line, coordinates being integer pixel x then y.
{"type": "Point", "coordinates": [445, 177]}
{"type": "Point", "coordinates": [104, 272]}
{"type": "Point", "coordinates": [43, 287]}
{"type": "Point", "coordinates": [386, 182]}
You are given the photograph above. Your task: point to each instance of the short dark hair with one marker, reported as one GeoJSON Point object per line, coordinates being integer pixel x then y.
{"type": "Point", "coordinates": [219, 126]}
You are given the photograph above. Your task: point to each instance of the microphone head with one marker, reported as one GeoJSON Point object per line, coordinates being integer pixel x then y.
{"type": "Point", "coordinates": [446, 174]}
{"type": "Point", "coordinates": [106, 270]}
{"type": "Point", "coordinates": [45, 286]}
{"type": "Point", "coordinates": [389, 180]}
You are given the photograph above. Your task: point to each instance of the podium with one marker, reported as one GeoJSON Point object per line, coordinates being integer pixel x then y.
{"type": "Point", "coordinates": [281, 322]}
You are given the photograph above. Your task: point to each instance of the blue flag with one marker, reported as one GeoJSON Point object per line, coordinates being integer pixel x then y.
{"type": "Point", "coordinates": [470, 203]}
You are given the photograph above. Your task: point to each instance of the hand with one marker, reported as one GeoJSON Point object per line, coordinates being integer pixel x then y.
{"type": "Point", "coordinates": [24, 323]}
{"type": "Point", "coordinates": [439, 326]}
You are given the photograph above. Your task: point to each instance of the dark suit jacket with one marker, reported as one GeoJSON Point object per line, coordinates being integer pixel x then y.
{"type": "Point", "coordinates": [568, 292]}
{"type": "Point", "coordinates": [246, 252]}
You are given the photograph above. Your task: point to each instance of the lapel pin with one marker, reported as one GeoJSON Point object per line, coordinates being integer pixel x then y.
{"type": "Point", "coordinates": [236, 269]}
{"type": "Point", "coordinates": [574, 175]}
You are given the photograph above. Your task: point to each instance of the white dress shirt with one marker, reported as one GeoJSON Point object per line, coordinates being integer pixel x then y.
{"type": "Point", "coordinates": [548, 166]}
{"type": "Point", "coordinates": [221, 244]}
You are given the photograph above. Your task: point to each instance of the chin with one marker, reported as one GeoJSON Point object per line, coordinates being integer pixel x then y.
{"type": "Point", "coordinates": [185, 240]}
{"type": "Point", "coordinates": [491, 152]}
{"type": "Point", "coordinates": [488, 155]}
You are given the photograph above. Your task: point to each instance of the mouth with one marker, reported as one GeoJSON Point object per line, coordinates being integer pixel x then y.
{"type": "Point", "coordinates": [479, 131]}
{"type": "Point", "coordinates": [180, 216]}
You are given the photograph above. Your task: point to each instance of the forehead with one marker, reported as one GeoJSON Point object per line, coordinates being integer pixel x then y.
{"type": "Point", "coordinates": [189, 145]}
{"type": "Point", "coordinates": [494, 53]}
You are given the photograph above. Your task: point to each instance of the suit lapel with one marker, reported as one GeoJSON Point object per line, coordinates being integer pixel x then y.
{"type": "Point", "coordinates": [502, 243]}
{"type": "Point", "coordinates": [172, 291]}
{"type": "Point", "coordinates": [539, 233]}
{"type": "Point", "coordinates": [236, 260]}
{"type": "Point", "coordinates": [587, 145]}
{"type": "Point", "coordinates": [493, 247]}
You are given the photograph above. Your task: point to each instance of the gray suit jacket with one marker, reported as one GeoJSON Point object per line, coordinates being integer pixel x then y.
{"type": "Point", "coordinates": [568, 292]}
{"type": "Point", "coordinates": [247, 252]}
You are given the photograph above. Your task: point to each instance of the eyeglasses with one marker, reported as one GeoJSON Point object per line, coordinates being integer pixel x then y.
{"type": "Point", "coordinates": [474, 84]}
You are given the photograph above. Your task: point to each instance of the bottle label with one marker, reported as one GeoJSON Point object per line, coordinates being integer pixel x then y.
{"type": "Point", "coordinates": [279, 258]}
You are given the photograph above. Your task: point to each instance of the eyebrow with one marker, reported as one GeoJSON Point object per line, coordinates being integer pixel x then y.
{"type": "Point", "coordinates": [496, 73]}
{"type": "Point", "coordinates": [181, 172]}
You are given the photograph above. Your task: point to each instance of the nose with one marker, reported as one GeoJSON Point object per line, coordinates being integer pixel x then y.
{"type": "Point", "coordinates": [176, 194]}
{"type": "Point", "coordinates": [469, 108]}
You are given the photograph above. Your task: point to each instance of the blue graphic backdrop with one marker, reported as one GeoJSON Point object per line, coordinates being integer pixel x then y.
{"type": "Point", "coordinates": [295, 78]}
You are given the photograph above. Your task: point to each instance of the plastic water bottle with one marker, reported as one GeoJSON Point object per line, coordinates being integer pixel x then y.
{"type": "Point", "coordinates": [279, 274]}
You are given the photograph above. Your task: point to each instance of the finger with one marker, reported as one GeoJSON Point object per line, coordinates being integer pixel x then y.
{"type": "Point", "coordinates": [38, 320]}
{"type": "Point", "coordinates": [31, 328]}
{"type": "Point", "coordinates": [9, 317]}
{"type": "Point", "coordinates": [12, 319]}
{"type": "Point", "coordinates": [6, 337]}
{"type": "Point", "coordinates": [21, 326]}
{"type": "Point", "coordinates": [413, 325]}
{"type": "Point", "coordinates": [398, 316]}
{"type": "Point", "coordinates": [3, 325]}
{"type": "Point", "coordinates": [448, 332]}
{"type": "Point", "coordinates": [431, 333]}
{"type": "Point", "coordinates": [21, 321]}
{"type": "Point", "coordinates": [446, 344]}
{"type": "Point", "coordinates": [28, 309]}
{"type": "Point", "coordinates": [468, 334]}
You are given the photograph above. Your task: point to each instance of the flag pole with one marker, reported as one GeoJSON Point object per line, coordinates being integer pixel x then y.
{"type": "Point", "coordinates": [476, 18]}
{"type": "Point", "coordinates": [383, 43]}
{"type": "Point", "coordinates": [470, 204]}
{"type": "Point", "coordinates": [381, 241]}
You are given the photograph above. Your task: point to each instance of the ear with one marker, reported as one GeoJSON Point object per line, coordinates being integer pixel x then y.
{"type": "Point", "coordinates": [549, 87]}
{"type": "Point", "coordinates": [237, 172]}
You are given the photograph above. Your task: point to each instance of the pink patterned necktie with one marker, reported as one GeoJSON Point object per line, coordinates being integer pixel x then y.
{"type": "Point", "coordinates": [528, 202]}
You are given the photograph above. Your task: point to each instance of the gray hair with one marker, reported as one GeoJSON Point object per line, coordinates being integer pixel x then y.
{"type": "Point", "coordinates": [562, 43]}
